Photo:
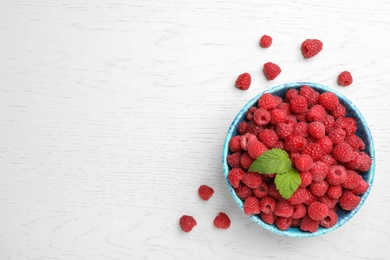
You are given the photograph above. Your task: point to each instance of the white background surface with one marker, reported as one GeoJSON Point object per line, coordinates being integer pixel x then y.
{"type": "Point", "coordinates": [112, 113]}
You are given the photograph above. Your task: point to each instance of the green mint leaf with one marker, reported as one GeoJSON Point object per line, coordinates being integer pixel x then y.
{"type": "Point", "coordinates": [287, 183]}
{"type": "Point", "coordinates": [272, 161]}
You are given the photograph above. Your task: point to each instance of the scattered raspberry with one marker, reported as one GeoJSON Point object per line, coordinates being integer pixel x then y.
{"type": "Point", "coordinates": [222, 221]}
{"type": "Point", "coordinates": [343, 152]}
{"type": "Point", "coordinates": [311, 47]}
{"type": "Point", "coordinates": [344, 79]}
{"type": "Point", "coordinates": [243, 81]}
{"type": "Point", "coordinates": [303, 162]}
{"type": "Point", "coordinates": [271, 70]}
{"type": "Point", "coordinates": [205, 192]}
{"type": "Point", "coordinates": [265, 41]}
{"type": "Point", "coordinates": [252, 180]}
{"type": "Point", "coordinates": [187, 223]}
{"type": "Point", "coordinates": [251, 206]}
{"type": "Point", "coordinates": [318, 210]}
{"type": "Point", "coordinates": [348, 201]}
{"type": "Point", "coordinates": [298, 104]}
{"type": "Point", "coordinates": [267, 205]}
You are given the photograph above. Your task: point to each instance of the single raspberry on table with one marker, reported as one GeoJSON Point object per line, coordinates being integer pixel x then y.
{"type": "Point", "coordinates": [317, 210]}
{"type": "Point", "coordinates": [243, 81]}
{"type": "Point", "coordinates": [344, 79]}
{"type": "Point", "coordinates": [265, 41]}
{"type": "Point", "coordinates": [187, 223]}
{"type": "Point", "coordinates": [222, 221]}
{"type": "Point", "coordinates": [205, 192]}
{"type": "Point", "coordinates": [311, 47]}
{"type": "Point", "coordinates": [251, 205]}
{"type": "Point", "coordinates": [271, 70]}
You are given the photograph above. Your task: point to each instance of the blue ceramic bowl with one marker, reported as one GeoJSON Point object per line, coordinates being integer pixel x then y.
{"type": "Point", "coordinates": [363, 132]}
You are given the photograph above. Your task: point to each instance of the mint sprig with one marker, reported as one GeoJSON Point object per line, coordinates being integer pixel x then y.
{"type": "Point", "coordinates": [276, 161]}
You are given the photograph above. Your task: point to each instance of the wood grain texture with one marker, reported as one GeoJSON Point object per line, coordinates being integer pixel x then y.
{"type": "Point", "coordinates": [112, 113]}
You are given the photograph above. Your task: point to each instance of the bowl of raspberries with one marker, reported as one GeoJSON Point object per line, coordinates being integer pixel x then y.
{"type": "Point", "coordinates": [299, 159]}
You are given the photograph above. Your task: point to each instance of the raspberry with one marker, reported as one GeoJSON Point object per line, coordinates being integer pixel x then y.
{"type": "Point", "coordinates": [278, 116]}
{"type": "Point", "coordinates": [278, 100]}
{"type": "Point", "coordinates": [267, 204]}
{"type": "Point", "coordinates": [301, 128]}
{"type": "Point", "coordinates": [331, 203]}
{"type": "Point", "coordinates": [187, 223]}
{"type": "Point", "coordinates": [354, 163]}
{"type": "Point", "coordinates": [343, 152]}
{"type": "Point", "coordinates": [252, 180]}
{"type": "Point", "coordinates": [268, 137]}
{"type": "Point", "coordinates": [337, 135]}
{"type": "Point", "coordinates": [317, 210]}
{"type": "Point", "coordinates": [314, 150]}
{"type": "Point", "coordinates": [243, 81]}
{"type": "Point", "coordinates": [328, 160]}
{"type": "Point", "coordinates": [316, 130]}
{"type": "Point", "coordinates": [298, 104]}
{"type": "Point", "coordinates": [261, 116]}
{"type": "Point", "coordinates": [246, 160]}
{"type": "Point", "coordinates": [261, 191]}
{"type": "Point", "coordinates": [336, 175]}
{"type": "Point", "coordinates": [294, 143]}
{"type": "Point", "coordinates": [355, 142]}
{"type": "Point", "coordinates": [234, 160]}
{"type": "Point", "coordinates": [339, 111]}
{"type": "Point", "coordinates": [291, 119]}
{"type": "Point", "coordinates": [283, 223]}
{"type": "Point", "coordinates": [234, 144]}
{"type": "Point", "coordinates": [326, 144]}
{"type": "Point", "coordinates": [316, 113]}
{"type": "Point", "coordinates": [286, 108]}
{"type": "Point", "coordinates": [346, 123]}
{"type": "Point", "coordinates": [283, 209]}
{"type": "Point", "coordinates": [334, 191]}
{"type": "Point", "coordinates": [328, 100]}
{"type": "Point", "coordinates": [279, 144]}
{"type": "Point", "coordinates": [328, 122]}
{"type": "Point", "coordinates": [365, 162]}
{"type": "Point", "coordinates": [267, 101]}
{"type": "Point", "coordinates": [235, 176]}
{"type": "Point", "coordinates": [313, 99]}
{"type": "Point", "coordinates": [330, 220]}
{"type": "Point", "coordinates": [311, 47]}
{"type": "Point", "coordinates": [361, 188]}
{"type": "Point", "coordinates": [344, 79]}
{"type": "Point", "coordinates": [290, 93]}
{"type": "Point", "coordinates": [299, 211]}
{"type": "Point", "coordinates": [249, 113]}
{"type": "Point", "coordinates": [303, 162]}
{"type": "Point", "coordinates": [222, 221]}
{"type": "Point", "coordinates": [256, 148]}
{"type": "Point", "coordinates": [283, 130]}
{"type": "Point", "coordinates": [306, 179]}
{"type": "Point", "coordinates": [298, 197]}
{"type": "Point", "coordinates": [242, 127]}
{"type": "Point", "coordinates": [205, 192]}
{"type": "Point", "coordinates": [311, 199]}
{"type": "Point", "coordinates": [309, 224]}
{"type": "Point", "coordinates": [348, 201]}
{"type": "Point", "coordinates": [273, 192]}
{"type": "Point", "coordinates": [296, 222]}
{"type": "Point", "coordinates": [251, 206]}
{"type": "Point", "coordinates": [268, 218]}
{"type": "Point", "coordinates": [265, 41]}
{"type": "Point", "coordinates": [319, 170]}
{"type": "Point", "coordinates": [352, 180]}
{"type": "Point", "coordinates": [244, 140]}
{"type": "Point", "coordinates": [306, 91]}
{"type": "Point", "coordinates": [254, 128]}
{"type": "Point", "coordinates": [243, 191]}
{"type": "Point", "coordinates": [271, 70]}
{"type": "Point", "coordinates": [319, 188]}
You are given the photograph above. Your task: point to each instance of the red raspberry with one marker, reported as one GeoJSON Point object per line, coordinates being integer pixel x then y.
{"type": "Point", "coordinates": [319, 188]}
{"type": "Point", "coordinates": [306, 91]}
{"type": "Point", "coordinates": [294, 143]}
{"type": "Point", "coordinates": [261, 191]}
{"type": "Point", "coordinates": [314, 150]}
{"type": "Point", "coordinates": [317, 210]}
{"type": "Point", "coordinates": [344, 79]}
{"type": "Point", "coordinates": [235, 176]}
{"type": "Point", "coordinates": [283, 223]}
{"type": "Point", "coordinates": [254, 128]}
{"type": "Point", "coordinates": [273, 192]}
{"type": "Point", "coordinates": [271, 70]}
{"type": "Point", "coordinates": [291, 119]}
{"type": "Point", "coordinates": [337, 135]}
{"type": "Point", "coordinates": [279, 144]}
{"type": "Point", "coordinates": [252, 180]}
{"type": "Point", "coordinates": [283, 209]}
{"type": "Point", "coordinates": [265, 41]}
{"type": "Point", "coordinates": [365, 162]}
{"type": "Point", "coordinates": [311, 47]}
{"type": "Point", "coordinates": [303, 162]}
{"type": "Point", "coordinates": [313, 99]}
{"type": "Point", "coordinates": [328, 123]}
{"type": "Point", "coordinates": [249, 113]}
{"type": "Point", "coordinates": [267, 101]}
{"type": "Point", "coordinates": [234, 160]}
{"type": "Point", "coordinates": [187, 223]}
{"type": "Point", "coordinates": [330, 220]}
{"type": "Point", "coordinates": [331, 203]}
{"type": "Point", "coordinates": [339, 111]}
{"type": "Point", "coordinates": [306, 179]}
{"type": "Point", "coordinates": [346, 123]}
{"type": "Point", "coordinates": [298, 197]}
{"type": "Point", "coordinates": [278, 116]}
{"type": "Point", "coordinates": [222, 221]}
{"type": "Point", "coordinates": [319, 170]}
{"type": "Point", "coordinates": [286, 108]}
{"type": "Point", "coordinates": [355, 142]}
{"type": "Point", "coordinates": [268, 137]}
{"type": "Point", "coordinates": [251, 206]}
{"type": "Point", "coordinates": [243, 191]}
{"type": "Point", "coordinates": [244, 140]}
{"type": "Point", "coordinates": [299, 211]}
{"type": "Point", "coordinates": [348, 201]}
{"type": "Point", "coordinates": [298, 104]}
{"type": "Point", "coordinates": [283, 130]}
{"type": "Point", "coordinates": [352, 180]}
{"type": "Point", "coordinates": [242, 127]}
{"type": "Point", "coordinates": [328, 100]}
{"type": "Point", "coordinates": [267, 204]}
{"type": "Point", "coordinates": [334, 191]}
{"type": "Point", "coordinates": [261, 116]}
{"type": "Point", "coordinates": [205, 192]}
{"type": "Point", "coordinates": [336, 175]}
{"type": "Point", "coordinates": [301, 128]}
{"type": "Point", "coordinates": [256, 148]}
{"type": "Point", "coordinates": [316, 113]}
{"type": "Point", "coordinates": [268, 218]}
{"type": "Point", "coordinates": [246, 160]}
{"type": "Point", "coordinates": [243, 81]}
{"type": "Point", "coordinates": [361, 188]}
{"type": "Point", "coordinates": [328, 160]}
{"type": "Point", "coordinates": [278, 100]}
{"type": "Point", "coordinates": [326, 144]}
{"type": "Point", "coordinates": [290, 93]}
{"type": "Point", "coordinates": [316, 130]}
{"type": "Point", "coordinates": [343, 152]}
{"type": "Point", "coordinates": [309, 224]}
{"type": "Point", "coordinates": [312, 197]}
{"type": "Point", "coordinates": [354, 163]}
{"type": "Point", "coordinates": [234, 144]}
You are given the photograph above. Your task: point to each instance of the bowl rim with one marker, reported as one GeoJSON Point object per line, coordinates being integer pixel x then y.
{"type": "Point", "coordinates": [295, 232]}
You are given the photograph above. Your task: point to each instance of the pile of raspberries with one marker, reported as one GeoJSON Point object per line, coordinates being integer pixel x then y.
{"type": "Point", "coordinates": [322, 145]}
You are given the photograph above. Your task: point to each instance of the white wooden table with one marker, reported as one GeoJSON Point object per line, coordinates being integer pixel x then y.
{"type": "Point", "coordinates": [113, 113]}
